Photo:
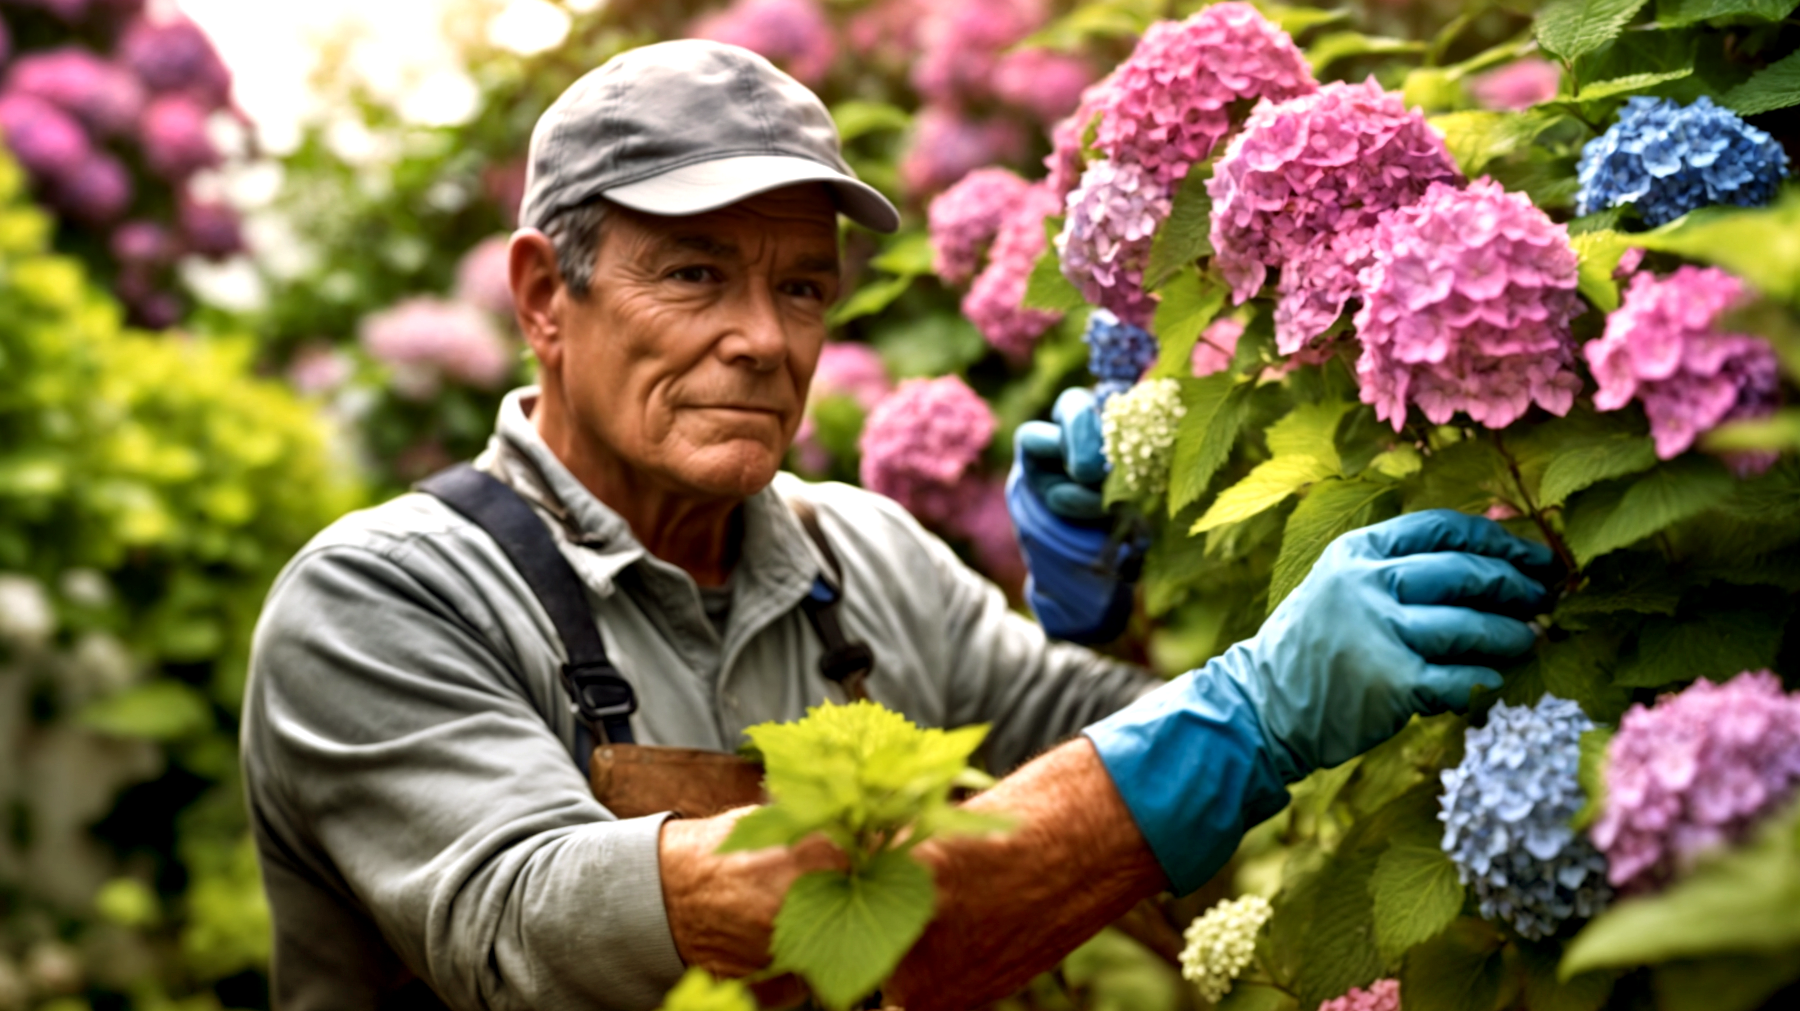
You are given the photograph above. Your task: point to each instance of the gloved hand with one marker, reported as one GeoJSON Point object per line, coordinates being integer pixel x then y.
{"type": "Point", "coordinates": [1371, 637]}
{"type": "Point", "coordinates": [1079, 583]}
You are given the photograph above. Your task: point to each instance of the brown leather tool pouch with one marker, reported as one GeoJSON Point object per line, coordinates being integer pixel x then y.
{"type": "Point", "coordinates": [633, 780]}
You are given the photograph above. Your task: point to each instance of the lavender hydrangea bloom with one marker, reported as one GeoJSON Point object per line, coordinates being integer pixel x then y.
{"type": "Point", "coordinates": [1466, 307]}
{"type": "Point", "coordinates": [47, 141]}
{"type": "Point", "coordinates": [1662, 348]}
{"type": "Point", "coordinates": [1381, 995]}
{"type": "Point", "coordinates": [97, 192]}
{"type": "Point", "coordinates": [791, 33]}
{"type": "Point", "coordinates": [1303, 185]}
{"type": "Point", "coordinates": [105, 98]}
{"type": "Point", "coordinates": [175, 138]}
{"type": "Point", "coordinates": [1168, 105]}
{"type": "Point", "coordinates": [210, 228]}
{"type": "Point", "coordinates": [1117, 351]}
{"type": "Point", "coordinates": [425, 339]}
{"type": "Point", "coordinates": [966, 216]}
{"type": "Point", "coordinates": [1506, 811]}
{"type": "Point", "coordinates": [995, 301]}
{"type": "Point", "coordinates": [921, 442]}
{"type": "Point", "coordinates": [1667, 159]}
{"type": "Point", "coordinates": [173, 54]}
{"type": "Point", "coordinates": [1113, 215]}
{"type": "Point", "coordinates": [1695, 772]}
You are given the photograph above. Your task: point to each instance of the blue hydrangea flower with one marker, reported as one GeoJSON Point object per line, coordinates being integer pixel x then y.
{"type": "Point", "coordinates": [1668, 159]}
{"type": "Point", "coordinates": [1506, 812]}
{"type": "Point", "coordinates": [1117, 351]}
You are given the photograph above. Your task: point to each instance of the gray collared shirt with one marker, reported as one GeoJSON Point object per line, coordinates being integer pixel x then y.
{"type": "Point", "coordinates": [409, 753]}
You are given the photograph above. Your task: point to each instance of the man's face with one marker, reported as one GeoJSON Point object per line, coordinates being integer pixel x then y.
{"type": "Point", "coordinates": [690, 358]}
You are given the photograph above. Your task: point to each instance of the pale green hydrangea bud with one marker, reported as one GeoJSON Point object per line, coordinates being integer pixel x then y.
{"type": "Point", "coordinates": [1221, 942]}
{"type": "Point", "coordinates": [1139, 427]}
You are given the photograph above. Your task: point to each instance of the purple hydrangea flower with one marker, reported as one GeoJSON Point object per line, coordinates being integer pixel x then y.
{"type": "Point", "coordinates": [210, 229]}
{"type": "Point", "coordinates": [1506, 809]}
{"type": "Point", "coordinates": [1169, 104]}
{"type": "Point", "coordinates": [995, 301]}
{"type": "Point", "coordinates": [1695, 772]}
{"type": "Point", "coordinates": [47, 141]}
{"type": "Point", "coordinates": [104, 97]}
{"type": "Point", "coordinates": [1466, 307]}
{"type": "Point", "coordinates": [794, 34]}
{"type": "Point", "coordinates": [173, 54]}
{"type": "Point", "coordinates": [143, 243]}
{"type": "Point", "coordinates": [1043, 82]}
{"type": "Point", "coordinates": [1113, 215]}
{"type": "Point", "coordinates": [965, 217]}
{"type": "Point", "coordinates": [920, 444]}
{"type": "Point", "coordinates": [1117, 351]}
{"type": "Point", "coordinates": [1066, 160]}
{"type": "Point", "coordinates": [1667, 159]}
{"type": "Point", "coordinates": [1301, 189]}
{"type": "Point", "coordinates": [1662, 348]}
{"type": "Point", "coordinates": [425, 339]}
{"type": "Point", "coordinates": [175, 138]}
{"type": "Point", "coordinates": [481, 277]}
{"type": "Point", "coordinates": [962, 43]}
{"type": "Point", "coordinates": [1381, 995]}
{"type": "Point", "coordinates": [1517, 86]}
{"type": "Point", "coordinates": [947, 146]}
{"type": "Point", "coordinates": [844, 370]}
{"type": "Point", "coordinates": [96, 193]}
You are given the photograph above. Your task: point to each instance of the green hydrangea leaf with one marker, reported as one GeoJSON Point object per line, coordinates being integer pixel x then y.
{"type": "Point", "coordinates": [699, 991]}
{"type": "Point", "coordinates": [1190, 301]}
{"type": "Point", "coordinates": [1216, 409]}
{"type": "Point", "coordinates": [1677, 13]}
{"type": "Point", "coordinates": [845, 933]}
{"type": "Point", "coordinates": [1592, 775]}
{"type": "Point", "coordinates": [1776, 86]}
{"type": "Point", "coordinates": [1726, 983]}
{"type": "Point", "coordinates": [1461, 969]}
{"type": "Point", "coordinates": [1185, 234]}
{"type": "Point", "coordinates": [1332, 508]}
{"type": "Point", "coordinates": [1716, 644]}
{"type": "Point", "coordinates": [1416, 894]}
{"type": "Point", "coordinates": [157, 711]}
{"type": "Point", "coordinates": [1571, 28]}
{"type": "Point", "coordinates": [1046, 288]}
{"type": "Point", "coordinates": [1610, 517]}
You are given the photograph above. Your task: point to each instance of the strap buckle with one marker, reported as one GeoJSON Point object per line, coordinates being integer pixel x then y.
{"type": "Point", "coordinates": [601, 693]}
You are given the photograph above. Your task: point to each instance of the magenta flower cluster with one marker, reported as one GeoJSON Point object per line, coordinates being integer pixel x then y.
{"type": "Point", "coordinates": [1517, 86]}
{"type": "Point", "coordinates": [792, 34]}
{"type": "Point", "coordinates": [965, 218]}
{"type": "Point", "coordinates": [1381, 995]}
{"type": "Point", "coordinates": [1168, 105]}
{"type": "Point", "coordinates": [994, 302]}
{"type": "Point", "coordinates": [947, 145]}
{"type": "Point", "coordinates": [1302, 187]}
{"type": "Point", "coordinates": [425, 340]}
{"type": "Point", "coordinates": [1466, 307]}
{"type": "Point", "coordinates": [845, 369]}
{"type": "Point", "coordinates": [1695, 772]}
{"type": "Point", "coordinates": [1113, 215]}
{"type": "Point", "coordinates": [1663, 348]}
{"type": "Point", "coordinates": [921, 446]}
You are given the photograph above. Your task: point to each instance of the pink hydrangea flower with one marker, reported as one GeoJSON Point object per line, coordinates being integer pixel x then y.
{"type": "Point", "coordinates": [961, 43]}
{"type": "Point", "coordinates": [1043, 82]}
{"type": "Point", "coordinates": [1517, 86]}
{"type": "Point", "coordinates": [319, 368]}
{"type": "Point", "coordinates": [97, 192]}
{"type": "Point", "coordinates": [104, 97]}
{"type": "Point", "coordinates": [965, 217]}
{"type": "Point", "coordinates": [1467, 308]}
{"type": "Point", "coordinates": [994, 302]}
{"type": "Point", "coordinates": [1301, 189]}
{"type": "Point", "coordinates": [1663, 349]}
{"type": "Point", "coordinates": [1216, 347]}
{"type": "Point", "coordinates": [481, 277]}
{"type": "Point", "coordinates": [844, 370]}
{"type": "Point", "coordinates": [1169, 103]}
{"type": "Point", "coordinates": [425, 339]}
{"type": "Point", "coordinates": [47, 141]}
{"type": "Point", "coordinates": [946, 146]}
{"type": "Point", "coordinates": [1381, 995]}
{"type": "Point", "coordinates": [176, 142]}
{"type": "Point", "coordinates": [1695, 772]}
{"type": "Point", "coordinates": [887, 31]}
{"type": "Point", "coordinates": [920, 443]}
{"type": "Point", "coordinates": [143, 243]}
{"type": "Point", "coordinates": [1066, 161]}
{"type": "Point", "coordinates": [1105, 243]}
{"type": "Point", "coordinates": [173, 54]}
{"type": "Point", "coordinates": [793, 34]}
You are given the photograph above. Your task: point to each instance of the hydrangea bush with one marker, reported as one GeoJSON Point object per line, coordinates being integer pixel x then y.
{"type": "Point", "coordinates": [1221, 943]}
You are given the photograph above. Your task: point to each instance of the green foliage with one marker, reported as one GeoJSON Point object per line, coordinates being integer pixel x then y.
{"type": "Point", "coordinates": [699, 991]}
{"type": "Point", "coordinates": [1417, 894]}
{"type": "Point", "coordinates": [1332, 508]}
{"type": "Point", "coordinates": [1776, 86]}
{"type": "Point", "coordinates": [1571, 28]}
{"type": "Point", "coordinates": [845, 932]}
{"type": "Point", "coordinates": [1619, 514]}
{"type": "Point", "coordinates": [1190, 302]}
{"type": "Point", "coordinates": [1184, 236]}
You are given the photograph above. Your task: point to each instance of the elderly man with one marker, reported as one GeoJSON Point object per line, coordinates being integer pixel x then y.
{"type": "Point", "coordinates": [416, 773]}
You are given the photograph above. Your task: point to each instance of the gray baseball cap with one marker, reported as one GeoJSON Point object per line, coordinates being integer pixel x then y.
{"type": "Point", "coordinates": [686, 127]}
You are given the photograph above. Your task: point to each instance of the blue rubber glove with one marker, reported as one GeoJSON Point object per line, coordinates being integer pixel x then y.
{"type": "Point", "coordinates": [1079, 583]}
{"type": "Point", "coordinates": [1371, 637]}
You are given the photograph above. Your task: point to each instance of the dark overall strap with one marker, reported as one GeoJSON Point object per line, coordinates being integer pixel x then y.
{"type": "Point", "coordinates": [844, 662]}
{"type": "Point", "coordinates": [597, 692]}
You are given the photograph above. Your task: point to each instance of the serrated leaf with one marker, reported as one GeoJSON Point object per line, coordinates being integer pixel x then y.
{"type": "Point", "coordinates": [1776, 86]}
{"type": "Point", "coordinates": [1332, 508]}
{"type": "Point", "coordinates": [1580, 668]}
{"type": "Point", "coordinates": [1571, 28]}
{"type": "Point", "coordinates": [1587, 463]}
{"type": "Point", "coordinates": [157, 711]}
{"type": "Point", "coordinates": [1416, 893]}
{"type": "Point", "coordinates": [1342, 45]}
{"type": "Point", "coordinates": [767, 827]}
{"type": "Point", "coordinates": [1477, 137]}
{"type": "Point", "coordinates": [1716, 645]}
{"type": "Point", "coordinates": [1760, 245]}
{"type": "Point", "coordinates": [845, 933]}
{"type": "Point", "coordinates": [1184, 235]}
{"type": "Point", "coordinates": [1603, 520]}
{"type": "Point", "coordinates": [1591, 775]}
{"type": "Point", "coordinates": [1740, 900]}
{"type": "Point", "coordinates": [1309, 430]}
{"type": "Point", "coordinates": [1340, 951]}
{"type": "Point", "coordinates": [1267, 485]}
{"type": "Point", "coordinates": [1460, 969]}
{"type": "Point", "coordinates": [1676, 13]}
{"type": "Point", "coordinates": [1616, 86]}
{"type": "Point", "coordinates": [1189, 303]}
{"type": "Point", "coordinates": [1215, 411]}
{"type": "Point", "coordinates": [1047, 289]}
{"type": "Point", "coordinates": [1466, 476]}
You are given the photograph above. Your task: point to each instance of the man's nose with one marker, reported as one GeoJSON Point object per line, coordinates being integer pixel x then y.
{"type": "Point", "coordinates": [759, 336]}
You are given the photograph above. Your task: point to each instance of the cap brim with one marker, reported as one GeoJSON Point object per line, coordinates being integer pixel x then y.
{"type": "Point", "coordinates": [710, 185]}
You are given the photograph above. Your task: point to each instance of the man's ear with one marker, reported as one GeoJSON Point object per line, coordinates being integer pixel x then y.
{"type": "Point", "coordinates": [538, 290]}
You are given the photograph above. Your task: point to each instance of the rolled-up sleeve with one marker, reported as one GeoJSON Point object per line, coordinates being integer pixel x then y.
{"type": "Point", "coordinates": [395, 762]}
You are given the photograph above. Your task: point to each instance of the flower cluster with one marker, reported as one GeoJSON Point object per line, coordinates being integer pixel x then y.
{"type": "Point", "coordinates": [1662, 347]}
{"type": "Point", "coordinates": [966, 216]}
{"type": "Point", "coordinates": [1517, 86]}
{"type": "Point", "coordinates": [1117, 351]}
{"type": "Point", "coordinates": [994, 302]}
{"type": "Point", "coordinates": [1695, 772]}
{"type": "Point", "coordinates": [1666, 159]}
{"type": "Point", "coordinates": [1139, 426]}
{"type": "Point", "coordinates": [922, 442]}
{"type": "Point", "coordinates": [947, 145]}
{"type": "Point", "coordinates": [961, 45]}
{"type": "Point", "coordinates": [1168, 105]}
{"type": "Point", "coordinates": [425, 339]}
{"type": "Point", "coordinates": [1303, 185]}
{"type": "Point", "coordinates": [793, 34]}
{"type": "Point", "coordinates": [1381, 995]}
{"type": "Point", "coordinates": [1466, 307]}
{"type": "Point", "coordinates": [1221, 942]}
{"type": "Point", "coordinates": [481, 277]}
{"type": "Point", "coordinates": [1506, 811]}
{"type": "Point", "coordinates": [1067, 158]}
{"type": "Point", "coordinates": [1216, 347]}
{"type": "Point", "coordinates": [844, 370]}
{"type": "Point", "coordinates": [1043, 82]}
{"type": "Point", "coordinates": [1113, 214]}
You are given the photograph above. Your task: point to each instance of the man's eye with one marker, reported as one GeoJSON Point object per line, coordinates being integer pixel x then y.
{"type": "Point", "coordinates": [806, 289]}
{"type": "Point", "coordinates": [693, 275]}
